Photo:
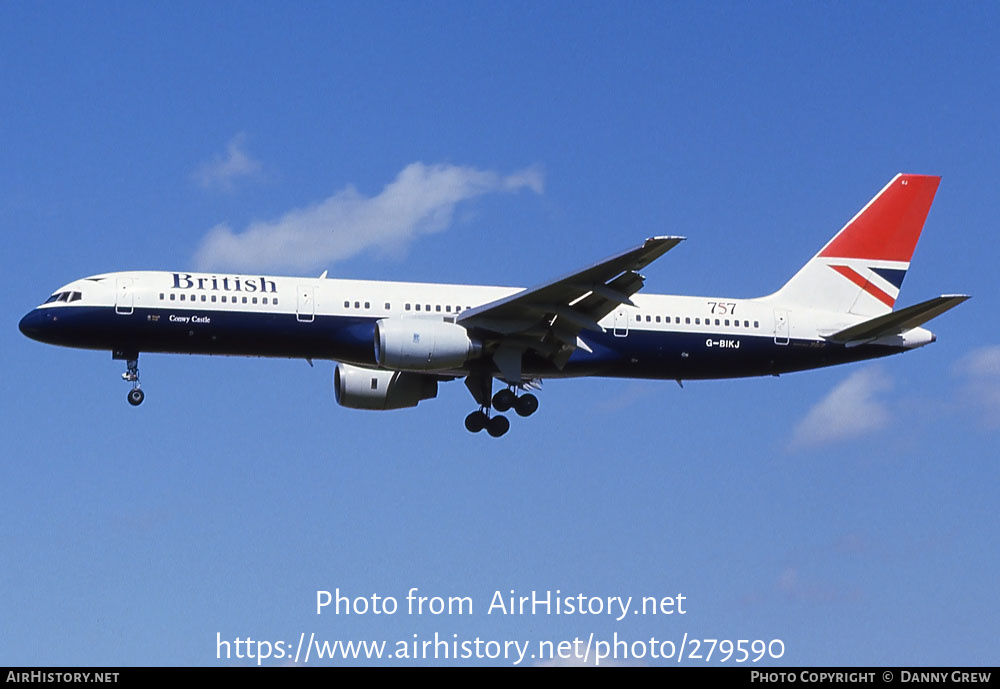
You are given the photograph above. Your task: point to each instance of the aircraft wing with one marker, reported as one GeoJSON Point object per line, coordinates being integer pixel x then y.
{"type": "Point", "coordinates": [548, 318]}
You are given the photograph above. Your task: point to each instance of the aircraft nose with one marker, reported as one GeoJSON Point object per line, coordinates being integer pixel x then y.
{"type": "Point", "coordinates": [31, 325]}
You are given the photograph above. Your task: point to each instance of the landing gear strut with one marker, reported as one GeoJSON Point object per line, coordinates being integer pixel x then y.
{"type": "Point", "coordinates": [131, 375]}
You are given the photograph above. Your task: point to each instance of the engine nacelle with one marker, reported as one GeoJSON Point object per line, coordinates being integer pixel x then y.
{"type": "Point", "coordinates": [416, 344]}
{"type": "Point", "coordinates": [365, 388]}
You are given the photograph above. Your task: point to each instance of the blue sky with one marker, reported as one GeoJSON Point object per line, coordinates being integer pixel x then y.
{"type": "Point", "coordinates": [239, 488]}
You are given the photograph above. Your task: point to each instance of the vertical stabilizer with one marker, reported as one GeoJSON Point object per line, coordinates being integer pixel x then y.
{"type": "Point", "coordinates": [861, 269]}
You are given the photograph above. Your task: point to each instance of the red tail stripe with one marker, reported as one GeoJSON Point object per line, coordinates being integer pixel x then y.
{"type": "Point", "coordinates": [859, 280]}
{"type": "Point", "coordinates": [888, 229]}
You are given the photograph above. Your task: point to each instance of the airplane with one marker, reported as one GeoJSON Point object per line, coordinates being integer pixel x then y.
{"type": "Point", "coordinates": [394, 342]}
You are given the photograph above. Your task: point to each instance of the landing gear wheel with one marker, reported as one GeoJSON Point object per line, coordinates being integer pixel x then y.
{"type": "Point", "coordinates": [504, 400]}
{"type": "Point", "coordinates": [135, 397]}
{"type": "Point", "coordinates": [476, 421]}
{"type": "Point", "coordinates": [526, 405]}
{"type": "Point", "coordinates": [497, 426]}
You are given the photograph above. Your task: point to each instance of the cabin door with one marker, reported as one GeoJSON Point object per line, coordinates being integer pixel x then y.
{"type": "Point", "coordinates": [780, 327]}
{"type": "Point", "coordinates": [305, 310]}
{"type": "Point", "coordinates": [124, 299]}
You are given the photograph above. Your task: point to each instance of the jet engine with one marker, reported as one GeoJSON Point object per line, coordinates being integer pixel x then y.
{"type": "Point", "coordinates": [415, 344]}
{"type": "Point", "coordinates": [365, 388]}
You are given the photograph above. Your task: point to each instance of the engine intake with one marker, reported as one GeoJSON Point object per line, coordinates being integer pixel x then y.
{"type": "Point", "coordinates": [415, 344]}
{"type": "Point", "coordinates": [365, 388]}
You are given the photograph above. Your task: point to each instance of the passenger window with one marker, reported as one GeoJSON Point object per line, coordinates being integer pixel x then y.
{"type": "Point", "coordinates": [648, 319]}
{"type": "Point", "coordinates": [213, 298]}
{"type": "Point", "coordinates": [357, 304]}
{"type": "Point", "coordinates": [717, 321]}
{"type": "Point", "coordinates": [223, 298]}
{"type": "Point", "coordinates": [172, 296]}
{"type": "Point", "coordinates": [657, 319]}
{"type": "Point", "coordinates": [756, 324]}
{"type": "Point", "coordinates": [255, 300]}
{"type": "Point", "coordinates": [697, 321]}
{"type": "Point", "coordinates": [387, 306]}
{"type": "Point", "coordinates": [204, 298]}
{"type": "Point", "coordinates": [746, 324]}
{"type": "Point", "coordinates": [407, 307]}
{"type": "Point", "coordinates": [347, 304]}
{"type": "Point", "coordinates": [418, 307]}
{"type": "Point", "coordinates": [182, 297]}
{"type": "Point", "coordinates": [688, 320]}
{"type": "Point", "coordinates": [264, 300]}
{"type": "Point", "coordinates": [638, 317]}
{"type": "Point", "coordinates": [368, 304]}
{"type": "Point", "coordinates": [437, 308]}
{"type": "Point", "coordinates": [161, 296]}
{"type": "Point", "coordinates": [448, 308]}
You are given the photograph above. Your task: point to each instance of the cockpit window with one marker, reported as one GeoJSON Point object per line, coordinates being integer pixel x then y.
{"type": "Point", "coordinates": [64, 296]}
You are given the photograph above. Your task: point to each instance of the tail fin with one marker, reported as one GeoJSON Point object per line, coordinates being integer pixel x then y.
{"type": "Point", "coordinates": [861, 269]}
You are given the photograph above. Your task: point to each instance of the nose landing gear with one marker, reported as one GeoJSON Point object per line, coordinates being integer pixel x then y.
{"type": "Point", "coordinates": [131, 375]}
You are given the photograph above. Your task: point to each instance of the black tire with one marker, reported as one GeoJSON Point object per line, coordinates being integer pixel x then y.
{"type": "Point", "coordinates": [136, 396]}
{"type": "Point", "coordinates": [475, 422]}
{"type": "Point", "coordinates": [526, 405]}
{"type": "Point", "coordinates": [504, 400]}
{"type": "Point", "coordinates": [497, 426]}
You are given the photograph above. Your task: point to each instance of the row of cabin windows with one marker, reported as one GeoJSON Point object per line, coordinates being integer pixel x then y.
{"type": "Point", "coordinates": [697, 321]}
{"type": "Point", "coordinates": [231, 300]}
{"type": "Point", "coordinates": [411, 307]}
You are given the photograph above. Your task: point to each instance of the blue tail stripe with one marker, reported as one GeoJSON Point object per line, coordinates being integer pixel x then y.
{"type": "Point", "coordinates": [893, 275]}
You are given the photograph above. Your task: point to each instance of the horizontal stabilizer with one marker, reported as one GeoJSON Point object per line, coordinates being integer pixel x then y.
{"type": "Point", "coordinates": [898, 322]}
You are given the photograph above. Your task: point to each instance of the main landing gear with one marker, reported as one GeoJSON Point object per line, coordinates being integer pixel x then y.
{"type": "Point", "coordinates": [478, 420]}
{"type": "Point", "coordinates": [131, 375]}
{"type": "Point", "coordinates": [525, 405]}
{"type": "Point", "coordinates": [504, 400]}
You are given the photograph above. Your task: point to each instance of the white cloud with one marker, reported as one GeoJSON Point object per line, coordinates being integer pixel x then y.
{"type": "Point", "coordinates": [420, 200]}
{"type": "Point", "coordinates": [851, 409]}
{"type": "Point", "coordinates": [222, 172]}
{"type": "Point", "coordinates": [984, 361]}
{"type": "Point", "coordinates": [981, 369]}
